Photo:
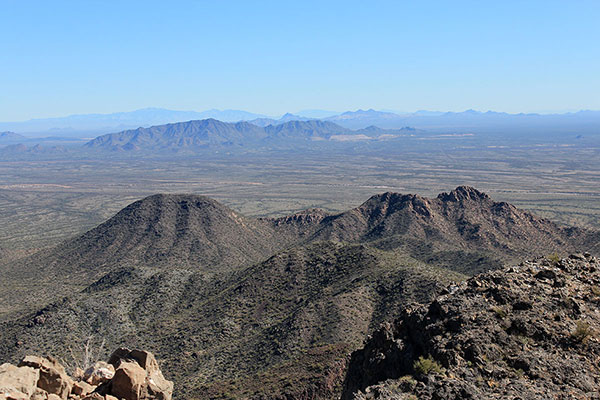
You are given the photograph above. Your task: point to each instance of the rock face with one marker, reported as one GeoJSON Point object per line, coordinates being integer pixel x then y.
{"type": "Point", "coordinates": [526, 332]}
{"type": "Point", "coordinates": [137, 377]}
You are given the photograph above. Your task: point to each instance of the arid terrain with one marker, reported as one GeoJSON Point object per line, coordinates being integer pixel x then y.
{"type": "Point", "coordinates": [44, 200]}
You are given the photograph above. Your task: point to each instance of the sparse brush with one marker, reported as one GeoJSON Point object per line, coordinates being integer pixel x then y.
{"type": "Point", "coordinates": [554, 257]}
{"type": "Point", "coordinates": [582, 332]}
{"type": "Point", "coordinates": [86, 356]}
{"type": "Point", "coordinates": [426, 366]}
{"type": "Point", "coordinates": [500, 312]}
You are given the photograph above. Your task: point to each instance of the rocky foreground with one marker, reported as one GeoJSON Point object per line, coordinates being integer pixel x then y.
{"type": "Point", "coordinates": [128, 375]}
{"type": "Point", "coordinates": [526, 332]}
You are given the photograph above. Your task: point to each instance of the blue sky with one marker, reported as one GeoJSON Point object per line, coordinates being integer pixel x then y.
{"type": "Point", "coordinates": [68, 57]}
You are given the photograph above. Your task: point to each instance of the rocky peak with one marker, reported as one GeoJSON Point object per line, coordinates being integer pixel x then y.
{"type": "Point", "coordinates": [529, 331]}
{"type": "Point", "coordinates": [463, 193]}
{"type": "Point", "coordinates": [305, 217]}
{"type": "Point", "coordinates": [389, 202]}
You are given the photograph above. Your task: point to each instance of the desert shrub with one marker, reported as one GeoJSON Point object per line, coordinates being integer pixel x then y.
{"type": "Point", "coordinates": [582, 332]}
{"type": "Point", "coordinates": [425, 366]}
{"type": "Point", "coordinates": [500, 312]}
{"type": "Point", "coordinates": [554, 257]}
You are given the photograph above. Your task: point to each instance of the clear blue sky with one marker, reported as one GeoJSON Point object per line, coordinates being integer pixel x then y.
{"type": "Point", "coordinates": [67, 57]}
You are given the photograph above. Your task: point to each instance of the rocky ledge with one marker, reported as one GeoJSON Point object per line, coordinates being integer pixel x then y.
{"type": "Point", "coordinates": [525, 332]}
{"type": "Point", "coordinates": [128, 375]}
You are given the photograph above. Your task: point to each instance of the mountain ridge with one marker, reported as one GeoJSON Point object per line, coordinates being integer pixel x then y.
{"type": "Point", "coordinates": [296, 295]}
{"type": "Point", "coordinates": [211, 133]}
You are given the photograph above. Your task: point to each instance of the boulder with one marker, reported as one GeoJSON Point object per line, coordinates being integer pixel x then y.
{"type": "Point", "coordinates": [155, 385]}
{"type": "Point", "coordinates": [99, 373]}
{"type": "Point", "coordinates": [18, 379]}
{"type": "Point", "coordinates": [82, 388]}
{"type": "Point", "coordinates": [129, 381]}
{"type": "Point", "coordinates": [53, 377]}
{"type": "Point", "coordinates": [52, 396]}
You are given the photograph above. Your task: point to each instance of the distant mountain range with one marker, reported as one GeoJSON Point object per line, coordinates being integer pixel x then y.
{"type": "Point", "coordinates": [211, 133]}
{"type": "Point", "coordinates": [89, 125]}
{"type": "Point", "coordinates": [92, 124]}
{"type": "Point", "coordinates": [584, 122]}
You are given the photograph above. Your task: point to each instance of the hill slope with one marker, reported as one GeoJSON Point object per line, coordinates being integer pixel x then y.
{"type": "Point", "coordinates": [159, 232]}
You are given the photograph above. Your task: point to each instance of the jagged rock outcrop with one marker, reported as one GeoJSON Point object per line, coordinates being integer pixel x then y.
{"type": "Point", "coordinates": [525, 332]}
{"type": "Point", "coordinates": [137, 377]}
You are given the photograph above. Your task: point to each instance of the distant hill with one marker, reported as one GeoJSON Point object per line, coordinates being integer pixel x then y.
{"type": "Point", "coordinates": [285, 118]}
{"type": "Point", "coordinates": [316, 113]}
{"type": "Point", "coordinates": [11, 137]}
{"type": "Point", "coordinates": [363, 118]}
{"type": "Point", "coordinates": [312, 129]}
{"type": "Point", "coordinates": [181, 135]}
{"type": "Point", "coordinates": [236, 306]}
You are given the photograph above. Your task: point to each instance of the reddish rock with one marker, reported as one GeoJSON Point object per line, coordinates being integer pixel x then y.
{"type": "Point", "coordinates": [155, 385]}
{"type": "Point", "coordinates": [129, 381]}
{"type": "Point", "coordinates": [82, 388]}
{"type": "Point", "coordinates": [53, 377]}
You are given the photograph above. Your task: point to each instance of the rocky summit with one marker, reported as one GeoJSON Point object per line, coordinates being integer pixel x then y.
{"type": "Point", "coordinates": [525, 332]}
{"type": "Point", "coordinates": [128, 375]}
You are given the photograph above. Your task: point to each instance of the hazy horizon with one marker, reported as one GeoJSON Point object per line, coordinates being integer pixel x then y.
{"type": "Point", "coordinates": [273, 58]}
{"type": "Point", "coordinates": [301, 112]}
